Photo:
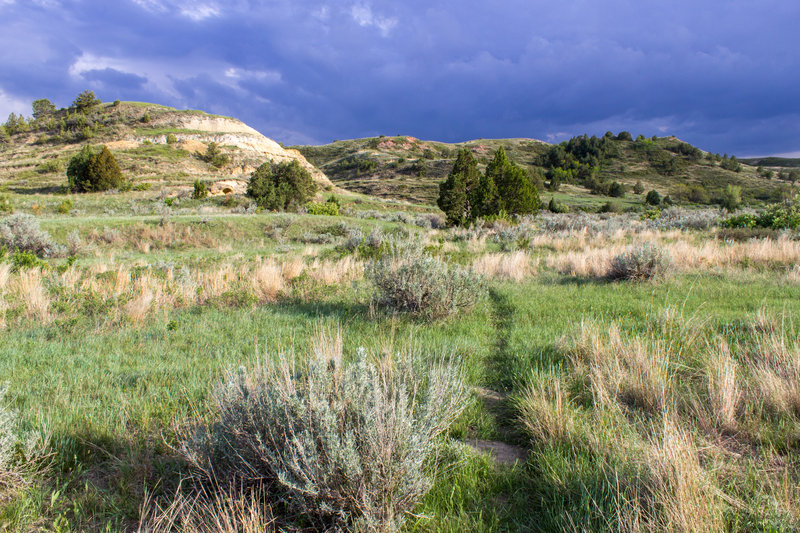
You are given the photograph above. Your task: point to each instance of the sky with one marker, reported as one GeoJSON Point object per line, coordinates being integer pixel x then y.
{"type": "Point", "coordinates": [721, 74]}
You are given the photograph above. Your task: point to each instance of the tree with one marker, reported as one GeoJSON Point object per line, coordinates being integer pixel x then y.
{"type": "Point", "coordinates": [457, 192]}
{"type": "Point", "coordinates": [5, 138]}
{"type": "Point", "coordinates": [616, 190]}
{"type": "Point", "coordinates": [515, 191]}
{"type": "Point", "coordinates": [214, 156]}
{"type": "Point", "coordinates": [731, 197]}
{"type": "Point", "coordinates": [16, 124]}
{"type": "Point", "coordinates": [638, 188]}
{"type": "Point", "coordinates": [42, 108]}
{"type": "Point", "coordinates": [281, 186]}
{"type": "Point", "coordinates": [653, 198]}
{"type": "Point", "coordinates": [89, 171]}
{"type": "Point", "coordinates": [86, 101]}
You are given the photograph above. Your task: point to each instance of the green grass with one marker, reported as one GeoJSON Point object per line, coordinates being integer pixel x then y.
{"type": "Point", "coordinates": [109, 399]}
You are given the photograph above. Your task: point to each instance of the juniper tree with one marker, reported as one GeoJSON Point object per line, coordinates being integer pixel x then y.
{"type": "Point", "coordinates": [456, 193]}
{"type": "Point", "coordinates": [89, 171]}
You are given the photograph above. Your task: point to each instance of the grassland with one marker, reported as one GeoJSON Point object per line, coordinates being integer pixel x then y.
{"type": "Point", "coordinates": [111, 354]}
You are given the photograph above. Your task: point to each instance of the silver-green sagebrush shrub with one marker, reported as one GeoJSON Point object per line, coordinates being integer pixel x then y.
{"type": "Point", "coordinates": [22, 232]}
{"type": "Point", "coordinates": [641, 263]}
{"type": "Point", "coordinates": [347, 445]}
{"type": "Point", "coordinates": [415, 282]}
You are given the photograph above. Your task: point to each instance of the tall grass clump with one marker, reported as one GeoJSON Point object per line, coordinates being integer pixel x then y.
{"type": "Point", "coordinates": [345, 445]}
{"type": "Point", "coordinates": [22, 232]}
{"type": "Point", "coordinates": [641, 263]}
{"type": "Point", "coordinates": [411, 281]}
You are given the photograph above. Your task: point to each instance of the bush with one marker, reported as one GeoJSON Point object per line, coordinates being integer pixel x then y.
{"type": "Point", "coordinates": [410, 281]}
{"type": "Point", "coordinates": [21, 232]}
{"type": "Point", "coordinates": [214, 156]}
{"type": "Point", "coordinates": [653, 198]}
{"type": "Point", "coordinates": [281, 186]}
{"type": "Point", "coordinates": [65, 206]}
{"type": "Point", "coordinates": [329, 207]}
{"type": "Point", "coordinates": [200, 190]}
{"type": "Point", "coordinates": [6, 207]}
{"type": "Point", "coordinates": [25, 260]}
{"type": "Point", "coordinates": [171, 138]}
{"type": "Point", "coordinates": [90, 172]}
{"type": "Point", "coordinates": [641, 263]}
{"type": "Point", "coordinates": [350, 446]}
{"type": "Point", "coordinates": [52, 165]}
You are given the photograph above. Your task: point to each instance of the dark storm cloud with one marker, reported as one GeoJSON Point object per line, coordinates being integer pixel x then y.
{"type": "Point", "coordinates": [720, 74]}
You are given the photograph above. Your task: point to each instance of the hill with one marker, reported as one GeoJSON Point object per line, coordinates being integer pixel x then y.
{"type": "Point", "coordinates": [406, 168]}
{"type": "Point", "coordinates": [155, 146]}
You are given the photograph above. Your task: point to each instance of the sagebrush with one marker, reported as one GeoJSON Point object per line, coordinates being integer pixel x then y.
{"type": "Point", "coordinates": [346, 445]}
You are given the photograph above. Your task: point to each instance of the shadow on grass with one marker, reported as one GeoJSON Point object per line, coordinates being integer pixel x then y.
{"type": "Point", "coordinates": [53, 189]}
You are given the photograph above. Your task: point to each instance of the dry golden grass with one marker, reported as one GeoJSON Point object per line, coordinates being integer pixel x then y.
{"type": "Point", "coordinates": [514, 266]}
{"type": "Point", "coordinates": [335, 272]}
{"type": "Point", "coordinates": [29, 290]}
{"type": "Point", "coordinates": [594, 258]}
{"type": "Point", "coordinates": [268, 281]}
{"type": "Point", "coordinates": [243, 511]}
{"type": "Point", "coordinates": [686, 496]}
{"type": "Point", "coordinates": [545, 412]}
{"type": "Point", "coordinates": [774, 364]}
{"type": "Point", "coordinates": [138, 308]}
{"type": "Point", "coordinates": [723, 385]}
{"type": "Point", "coordinates": [632, 372]}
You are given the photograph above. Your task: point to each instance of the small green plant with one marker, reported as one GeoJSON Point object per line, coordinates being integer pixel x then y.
{"type": "Point", "coordinates": [50, 166]}
{"type": "Point", "coordinates": [169, 202]}
{"type": "Point", "coordinates": [640, 263]}
{"type": "Point", "coordinates": [171, 138]}
{"type": "Point", "coordinates": [200, 190]}
{"type": "Point", "coordinates": [21, 260]}
{"type": "Point", "coordinates": [65, 206]}
{"type": "Point", "coordinates": [142, 186]}
{"type": "Point", "coordinates": [329, 207]}
{"type": "Point", "coordinates": [6, 207]}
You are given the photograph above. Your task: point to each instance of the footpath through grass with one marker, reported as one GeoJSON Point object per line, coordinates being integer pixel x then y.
{"type": "Point", "coordinates": [110, 399]}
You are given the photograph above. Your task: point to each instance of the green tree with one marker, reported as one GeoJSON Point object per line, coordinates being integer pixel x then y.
{"type": "Point", "coordinates": [42, 108]}
{"type": "Point", "coordinates": [16, 124]}
{"type": "Point", "coordinates": [281, 186]}
{"type": "Point", "coordinates": [653, 198]}
{"type": "Point", "coordinates": [638, 188]}
{"type": "Point", "coordinates": [457, 192]}
{"type": "Point", "coordinates": [731, 197]}
{"type": "Point", "coordinates": [515, 190]}
{"type": "Point", "coordinates": [486, 200]}
{"type": "Point", "coordinates": [5, 138]}
{"type": "Point", "coordinates": [91, 171]}
{"type": "Point", "coordinates": [616, 190]}
{"type": "Point", "coordinates": [86, 101]}
{"type": "Point", "coordinates": [214, 156]}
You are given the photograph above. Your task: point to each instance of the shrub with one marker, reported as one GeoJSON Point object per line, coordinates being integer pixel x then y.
{"type": "Point", "coordinates": [65, 206]}
{"type": "Point", "coordinates": [89, 171]}
{"type": "Point", "coordinates": [8, 439]}
{"type": "Point", "coordinates": [557, 207]}
{"type": "Point", "coordinates": [349, 445]}
{"type": "Point", "coordinates": [281, 186]}
{"type": "Point", "coordinates": [653, 198]}
{"type": "Point", "coordinates": [25, 260]}
{"type": "Point", "coordinates": [171, 138]}
{"type": "Point", "coordinates": [214, 156]}
{"type": "Point", "coordinates": [417, 283]}
{"type": "Point", "coordinates": [640, 263]}
{"type": "Point", "coordinates": [329, 207]}
{"type": "Point", "coordinates": [200, 190]}
{"type": "Point", "coordinates": [47, 167]}
{"type": "Point", "coordinates": [21, 232]}
{"type": "Point", "coordinates": [86, 101]}
{"type": "Point", "coordinates": [6, 206]}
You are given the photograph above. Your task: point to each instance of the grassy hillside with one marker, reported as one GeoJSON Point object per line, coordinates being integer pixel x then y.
{"type": "Point", "coordinates": [407, 168]}
{"type": "Point", "coordinates": [158, 148]}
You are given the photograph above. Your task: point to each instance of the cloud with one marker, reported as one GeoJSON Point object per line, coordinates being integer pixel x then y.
{"type": "Point", "coordinates": [110, 77]}
{"type": "Point", "coordinates": [11, 104]}
{"type": "Point", "coordinates": [363, 16]}
{"type": "Point", "coordinates": [199, 11]}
